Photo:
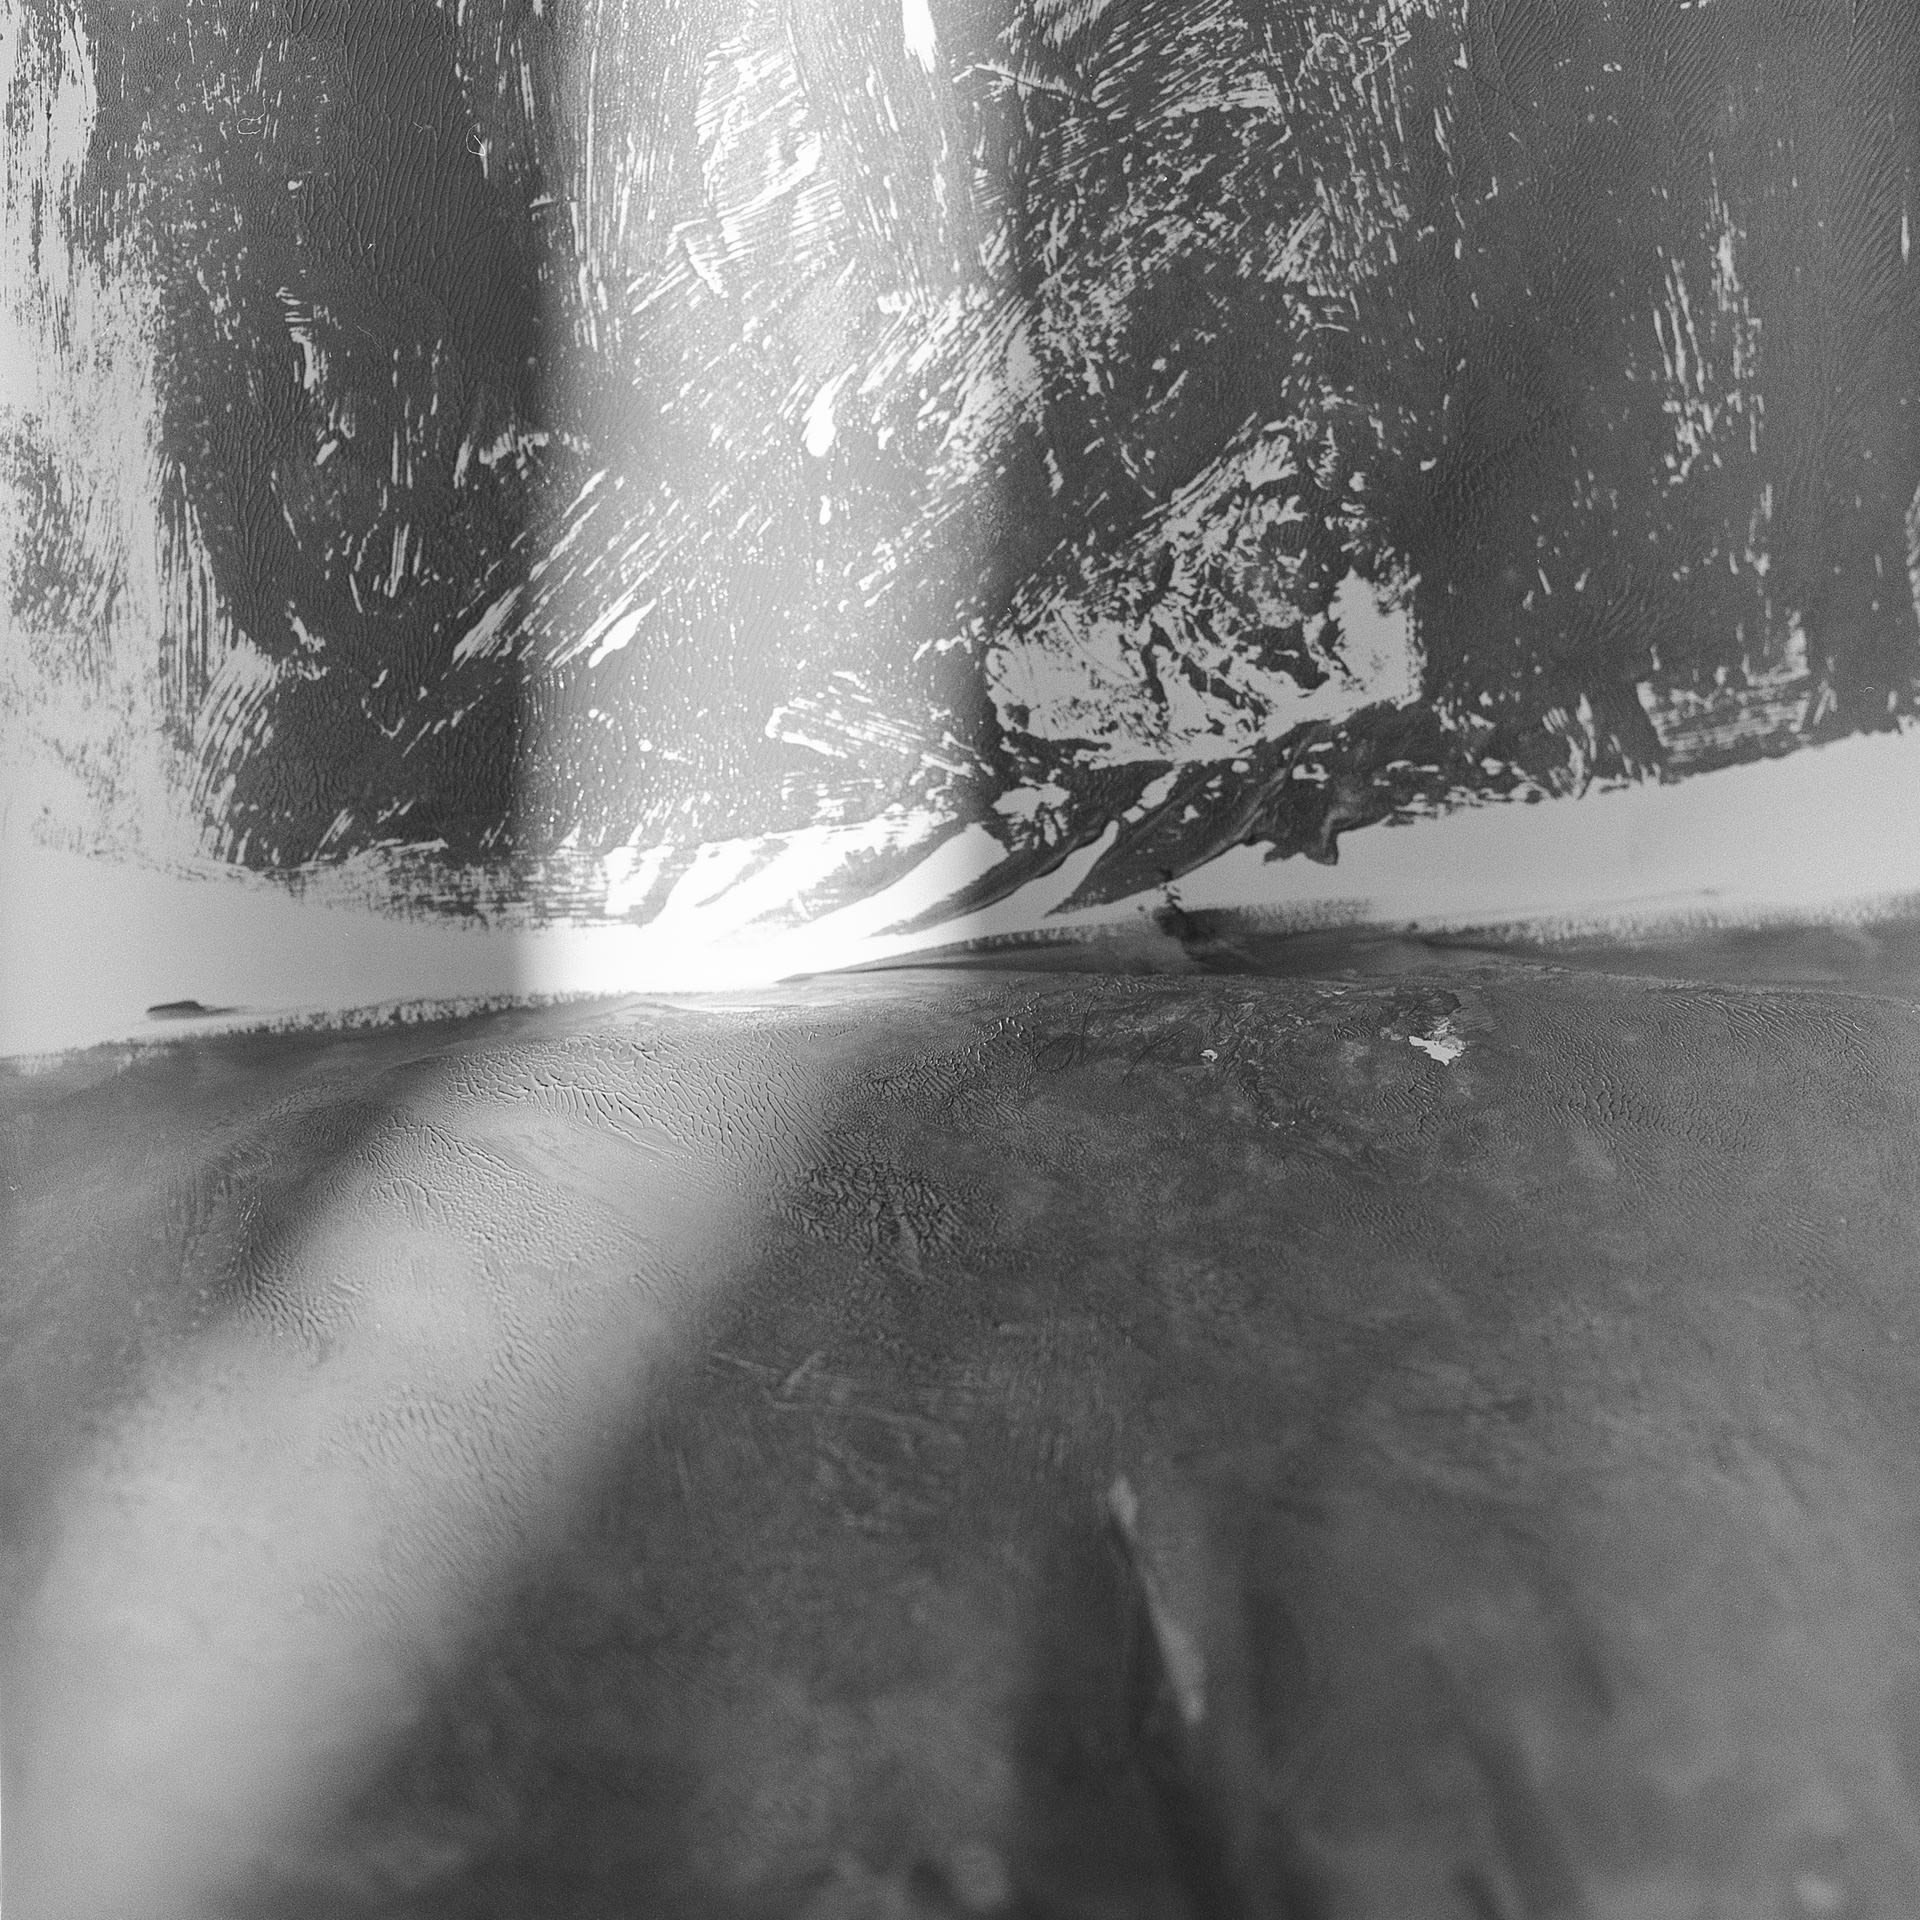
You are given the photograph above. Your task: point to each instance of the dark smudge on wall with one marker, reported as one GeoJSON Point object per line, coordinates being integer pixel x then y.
{"type": "Point", "coordinates": [623, 425]}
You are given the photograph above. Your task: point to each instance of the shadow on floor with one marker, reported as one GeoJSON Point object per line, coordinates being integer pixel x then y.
{"type": "Point", "coordinates": [1421, 1443]}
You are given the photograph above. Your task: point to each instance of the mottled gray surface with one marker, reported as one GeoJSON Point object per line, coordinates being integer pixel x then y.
{"type": "Point", "coordinates": [1050, 1445]}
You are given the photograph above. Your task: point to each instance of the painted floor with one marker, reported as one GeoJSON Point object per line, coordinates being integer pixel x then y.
{"type": "Point", "coordinates": [1422, 1433]}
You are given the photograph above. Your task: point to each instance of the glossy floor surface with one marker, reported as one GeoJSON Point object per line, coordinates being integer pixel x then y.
{"type": "Point", "coordinates": [1436, 1441]}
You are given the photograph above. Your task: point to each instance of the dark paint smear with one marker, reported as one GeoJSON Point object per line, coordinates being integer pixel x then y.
{"type": "Point", "coordinates": [1492, 368]}
{"type": "Point", "coordinates": [309, 202]}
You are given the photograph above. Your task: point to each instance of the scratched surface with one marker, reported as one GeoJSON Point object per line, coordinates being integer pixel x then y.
{"type": "Point", "coordinates": [512, 445]}
{"type": "Point", "coordinates": [1430, 1443]}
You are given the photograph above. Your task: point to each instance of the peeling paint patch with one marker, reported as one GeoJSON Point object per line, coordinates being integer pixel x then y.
{"type": "Point", "coordinates": [1442, 1044]}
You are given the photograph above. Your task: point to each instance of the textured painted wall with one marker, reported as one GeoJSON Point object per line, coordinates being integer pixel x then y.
{"type": "Point", "coordinates": [490, 451]}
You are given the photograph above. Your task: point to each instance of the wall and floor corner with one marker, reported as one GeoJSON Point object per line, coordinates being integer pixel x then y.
{"type": "Point", "coordinates": [538, 538]}
{"type": "Point", "coordinates": [673, 478]}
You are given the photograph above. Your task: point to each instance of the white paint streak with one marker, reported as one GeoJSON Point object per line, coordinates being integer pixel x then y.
{"type": "Point", "coordinates": [488, 634]}
{"type": "Point", "coordinates": [773, 206]}
{"type": "Point", "coordinates": [1913, 551]}
{"type": "Point", "coordinates": [1709, 357]}
{"type": "Point", "coordinates": [916, 30]}
{"type": "Point", "coordinates": [820, 428]}
{"type": "Point", "coordinates": [610, 638]}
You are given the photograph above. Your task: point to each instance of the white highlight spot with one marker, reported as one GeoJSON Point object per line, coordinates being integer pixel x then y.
{"type": "Point", "coordinates": [1023, 803]}
{"type": "Point", "coordinates": [620, 634]}
{"type": "Point", "coordinates": [1442, 1044]}
{"type": "Point", "coordinates": [489, 633]}
{"type": "Point", "coordinates": [1379, 651]}
{"type": "Point", "coordinates": [916, 28]}
{"type": "Point", "coordinates": [820, 427]}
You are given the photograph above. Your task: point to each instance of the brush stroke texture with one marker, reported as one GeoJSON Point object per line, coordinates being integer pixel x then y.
{"type": "Point", "coordinates": [587, 433]}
